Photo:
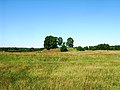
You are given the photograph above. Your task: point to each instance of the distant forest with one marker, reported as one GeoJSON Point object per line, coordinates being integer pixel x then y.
{"type": "Point", "coordinates": [99, 47]}
{"type": "Point", "coordinates": [79, 48]}
{"type": "Point", "coordinates": [16, 49]}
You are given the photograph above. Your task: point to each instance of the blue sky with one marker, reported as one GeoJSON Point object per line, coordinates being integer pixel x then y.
{"type": "Point", "coordinates": [25, 23]}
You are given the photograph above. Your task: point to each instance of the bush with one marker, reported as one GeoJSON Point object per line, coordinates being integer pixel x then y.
{"type": "Point", "coordinates": [79, 48]}
{"type": "Point", "coordinates": [86, 48]}
{"type": "Point", "coordinates": [63, 49]}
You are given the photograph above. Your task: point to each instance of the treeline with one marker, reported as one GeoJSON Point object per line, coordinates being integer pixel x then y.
{"type": "Point", "coordinates": [15, 49]}
{"type": "Point", "coordinates": [99, 47]}
{"type": "Point", "coordinates": [52, 42]}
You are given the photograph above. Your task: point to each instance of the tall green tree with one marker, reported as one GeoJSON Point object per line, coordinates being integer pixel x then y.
{"type": "Point", "coordinates": [50, 42]}
{"type": "Point", "coordinates": [47, 42]}
{"type": "Point", "coordinates": [60, 41]}
{"type": "Point", "coordinates": [70, 42]}
{"type": "Point", "coordinates": [53, 42]}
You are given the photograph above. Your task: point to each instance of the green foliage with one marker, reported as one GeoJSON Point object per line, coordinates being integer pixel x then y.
{"type": "Point", "coordinates": [79, 48]}
{"type": "Point", "coordinates": [116, 47]}
{"type": "Point", "coordinates": [16, 49]}
{"type": "Point", "coordinates": [103, 47]}
{"type": "Point", "coordinates": [86, 48]}
{"type": "Point", "coordinates": [50, 42]}
{"type": "Point", "coordinates": [70, 42]}
{"type": "Point", "coordinates": [63, 49]}
{"type": "Point", "coordinates": [60, 41]}
{"type": "Point", "coordinates": [92, 48]}
{"type": "Point", "coordinates": [100, 47]}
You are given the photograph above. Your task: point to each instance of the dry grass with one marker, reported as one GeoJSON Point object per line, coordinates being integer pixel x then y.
{"type": "Point", "coordinates": [53, 70]}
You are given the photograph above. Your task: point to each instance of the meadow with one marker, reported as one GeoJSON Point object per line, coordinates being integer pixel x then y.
{"type": "Point", "coordinates": [54, 70]}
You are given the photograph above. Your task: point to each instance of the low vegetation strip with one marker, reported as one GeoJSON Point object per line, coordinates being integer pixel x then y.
{"type": "Point", "coordinates": [53, 70]}
{"type": "Point", "coordinates": [16, 49]}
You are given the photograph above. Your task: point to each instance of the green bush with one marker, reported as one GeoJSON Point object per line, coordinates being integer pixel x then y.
{"type": "Point", "coordinates": [63, 49]}
{"type": "Point", "coordinates": [79, 48]}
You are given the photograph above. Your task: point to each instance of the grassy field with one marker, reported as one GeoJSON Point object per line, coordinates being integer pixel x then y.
{"type": "Point", "coordinates": [53, 70]}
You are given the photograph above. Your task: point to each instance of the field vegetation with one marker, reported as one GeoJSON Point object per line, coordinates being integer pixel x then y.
{"type": "Point", "coordinates": [54, 70]}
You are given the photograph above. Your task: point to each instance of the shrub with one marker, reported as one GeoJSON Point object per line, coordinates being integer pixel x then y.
{"type": "Point", "coordinates": [63, 49]}
{"type": "Point", "coordinates": [79, 48]}
{"type": "Point", "coordinates": [86, 48]}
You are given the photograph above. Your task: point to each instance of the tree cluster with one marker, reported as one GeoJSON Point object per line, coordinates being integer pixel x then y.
{"type": "Point", "coordinates": [99, 47]}
{"type": "Point", "coordinates": [52, 42]}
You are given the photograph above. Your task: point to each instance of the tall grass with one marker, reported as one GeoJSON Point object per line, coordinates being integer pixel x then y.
{"type": "Point", "coordinates": [53, 70]}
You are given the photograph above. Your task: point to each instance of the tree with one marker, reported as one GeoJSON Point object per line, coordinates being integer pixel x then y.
{"type": "Point", "coordinates": [50, 42]}
{"type": "Point", "coordinates": [60, 41]}
{"type": "Point", "coordinates": [70, 42]}
{"type": "Point", "coordinates": [53, 42]}
{"type": "Point", "coordinates": [47, 43]}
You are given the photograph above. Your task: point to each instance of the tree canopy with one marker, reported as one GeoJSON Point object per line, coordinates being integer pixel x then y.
{"type": "Point", "coordinates": [50, 42]}
{"type": "Point", "coordinates": [70, 42]}
{"type": "Point", "coordinates": [60, 41]}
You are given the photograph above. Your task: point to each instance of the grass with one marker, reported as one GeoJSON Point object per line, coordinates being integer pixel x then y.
{"type": "Point", "coordinates": [53, 70]}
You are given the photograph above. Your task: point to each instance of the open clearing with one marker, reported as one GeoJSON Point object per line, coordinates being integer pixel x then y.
{"type": "Point", "coordinates": [53, 70]}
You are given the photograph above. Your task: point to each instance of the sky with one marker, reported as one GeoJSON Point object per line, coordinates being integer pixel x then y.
{"type": "Point", "coordinates": [26, 23]}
